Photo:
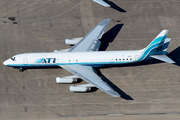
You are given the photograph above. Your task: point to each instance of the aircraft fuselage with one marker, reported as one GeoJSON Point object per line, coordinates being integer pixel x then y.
{"type": "Point", "coordinates": [54, 59]}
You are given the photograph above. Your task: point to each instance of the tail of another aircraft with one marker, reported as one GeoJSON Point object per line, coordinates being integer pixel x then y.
{"type": "Point", "coordinates": [158, 48]}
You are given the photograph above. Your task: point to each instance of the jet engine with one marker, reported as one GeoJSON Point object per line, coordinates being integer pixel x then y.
{"type": "Point", "coordinates": [81, 88]}
{"type": "Point", "coordinates": [67, 79]}
{"type": "Point", "coordinates": [72, 41]}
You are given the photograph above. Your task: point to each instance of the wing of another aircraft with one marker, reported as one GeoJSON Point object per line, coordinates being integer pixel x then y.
{"type": "Point", "coordinates": [88, 74]}
{"type": "Point", "coordinates": [101, 2]}
{"type": "Point", "coordinates": [90, 42]}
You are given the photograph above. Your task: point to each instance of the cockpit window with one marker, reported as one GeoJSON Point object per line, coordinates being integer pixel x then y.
{"type": "Point", "coordinates": [13, 58]}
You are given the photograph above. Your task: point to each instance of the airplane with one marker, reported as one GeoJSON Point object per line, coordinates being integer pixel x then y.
{"type": "Point", "coordinates": [84, 58]}
{"type": "Point", "coordinates": [101, 2]}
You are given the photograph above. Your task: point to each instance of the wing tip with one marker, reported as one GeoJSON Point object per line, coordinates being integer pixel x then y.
{"type": "Point", "coordinates": [104, 22]}
{"type": "Point", "coordinates": [101, 2]}
{"type": "Point", "coordinates": [113, 93]}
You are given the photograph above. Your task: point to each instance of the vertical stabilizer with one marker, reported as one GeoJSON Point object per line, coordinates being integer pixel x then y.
{"type": "Point", "coordinates": [158, 46]}
{"type": "Point", "coordinates": [159, 40]}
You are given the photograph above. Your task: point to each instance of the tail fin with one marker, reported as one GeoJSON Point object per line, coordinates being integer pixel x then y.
{"type": "Point", "coordinates": [160, 43]}
{"type": "Point", "coordinates": [158, 48]}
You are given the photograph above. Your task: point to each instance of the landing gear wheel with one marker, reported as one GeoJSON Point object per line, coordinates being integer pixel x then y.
{"type": "Point", "coordinates": [21, 70]}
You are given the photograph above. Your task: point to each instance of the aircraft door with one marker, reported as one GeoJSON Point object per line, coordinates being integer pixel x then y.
{"type": "Point", "coordinates": [136, 57]}
{"type": "Point", "coordinates": [25, 61]}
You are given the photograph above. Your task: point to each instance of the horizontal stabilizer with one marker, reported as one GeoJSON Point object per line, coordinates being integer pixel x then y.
{"type": "Point", "coordinates": [163, 58]}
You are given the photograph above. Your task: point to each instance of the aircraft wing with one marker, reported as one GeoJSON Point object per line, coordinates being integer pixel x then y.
{"type": "Point", "coordinates": [101, 2]}
{"type": "Point", "coordinates": [90, 42]}
{"type": "Point", "coordinates": [88, 74]}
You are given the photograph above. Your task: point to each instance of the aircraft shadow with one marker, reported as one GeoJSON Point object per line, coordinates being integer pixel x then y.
{"type": "Point", "coordinates": [175, 56]}
{"type": "Point", "coordinates": [114, 6]}
{"type": "Point", "coordinates": [109, 36]}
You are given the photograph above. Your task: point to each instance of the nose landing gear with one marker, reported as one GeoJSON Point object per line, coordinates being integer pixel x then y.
{"type": "Point", "coordinates": [21, 69]}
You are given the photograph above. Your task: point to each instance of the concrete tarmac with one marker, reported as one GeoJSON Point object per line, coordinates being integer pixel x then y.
{"type": "Point", "coordinates": [42, 26]}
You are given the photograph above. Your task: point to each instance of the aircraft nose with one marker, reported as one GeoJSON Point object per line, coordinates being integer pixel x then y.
{"type": "Point", "coordinates": [5, 62]}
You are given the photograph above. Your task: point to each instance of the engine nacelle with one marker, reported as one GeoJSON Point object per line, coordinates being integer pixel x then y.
{"type": "Point", "coordinates": [72, 41]}
{"type": "Point", "coordinates": [81, 88]}
{"type": "Point", "coordinates": [67, 79]}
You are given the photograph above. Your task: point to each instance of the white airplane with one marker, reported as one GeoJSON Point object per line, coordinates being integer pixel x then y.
{"type": "Point", "coordinates": [84, 56]}
{"type": "Point", "coordinates": [101, 2]}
